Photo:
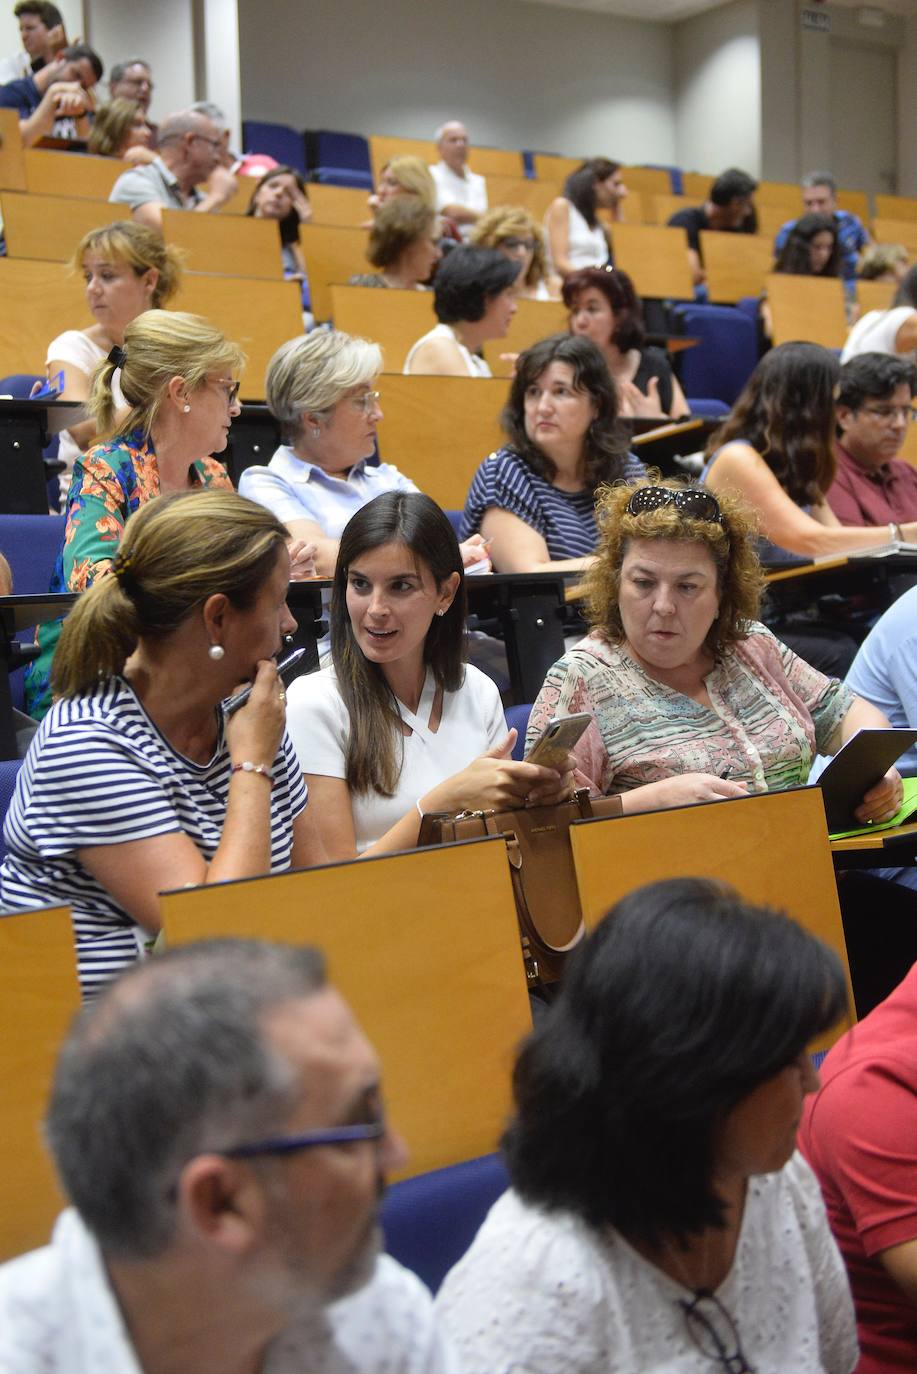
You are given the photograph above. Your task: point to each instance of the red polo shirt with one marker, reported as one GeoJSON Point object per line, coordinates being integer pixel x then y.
{"type": "Point", "coordinates": [861, 497]}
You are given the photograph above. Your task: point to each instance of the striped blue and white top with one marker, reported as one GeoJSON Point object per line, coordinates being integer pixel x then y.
{"type": "Point", "coordinates": [99, 772]}
{"type": "Point", "coordinates": [564, 519]}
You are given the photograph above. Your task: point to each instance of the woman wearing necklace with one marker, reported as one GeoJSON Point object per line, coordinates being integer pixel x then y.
{"type": "Point", "coordinates": [659, 1217]}
{"type": "Point", "coordinates": [474, 298]}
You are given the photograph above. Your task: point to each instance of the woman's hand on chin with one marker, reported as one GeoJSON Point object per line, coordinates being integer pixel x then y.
{"type": "Point", "coordinates": [882, 801]}
{"type": "Point", "coordinates": [253, 733]}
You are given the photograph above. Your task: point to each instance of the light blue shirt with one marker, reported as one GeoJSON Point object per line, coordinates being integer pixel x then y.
{"type": "Point", "coordinates": [885, 670]}
{"type": "Point", "coordinates": [295, 490]}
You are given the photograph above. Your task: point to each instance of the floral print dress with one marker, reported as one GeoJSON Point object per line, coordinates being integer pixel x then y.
{"type": "Point", "coordinates": [110, 482]}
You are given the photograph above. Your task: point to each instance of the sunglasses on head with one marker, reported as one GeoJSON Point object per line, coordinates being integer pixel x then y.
{"type": "Point", "coordinates": [700, 505]}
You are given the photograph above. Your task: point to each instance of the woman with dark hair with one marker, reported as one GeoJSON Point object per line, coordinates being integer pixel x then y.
{"type": "Point", "coordinates": [605, 308]}
{"type": "Point", "coordinates": [474, 299]}
{"type": "Point", "coordinates": [692, 699]}
{"type": "Point", "coordinates": [812, 248]}
{"type": "Point", "coordinates": [401, 725]}
{"type": "Point", "coordinates": [888, 331]}
{"type": "Point", "coordinates": [281, 195]}
{"type": "Point", "coordinates": [403, 245]}
{"type": "Point", "coordinates": [575, 236]}
{"type": "Point", "coordinates": [659, 1216]}
{"type": "Point", "coordinates": [535, 497]}
{"type": "Point", "coordinates": [776, 450]}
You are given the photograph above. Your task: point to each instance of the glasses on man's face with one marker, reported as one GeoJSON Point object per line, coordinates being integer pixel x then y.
{"type": "Point", "coordinates": [307, 1140]}
{"type": "Point", "coordinates": [367, 402]}
{"type": "Point", "coordinates": [214, 142]}
{"type": "Point", "coordinates": [886, 413]}
{"type": "Point", "coordinates": [700, 505]}
{"type": "Point", "coordinates": [714, 1332]}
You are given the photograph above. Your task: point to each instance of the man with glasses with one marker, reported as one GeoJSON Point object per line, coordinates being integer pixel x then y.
{"type": "Point", "coordinates": [188, 153]}
{"type": "Point", "coordinates": [132, 80]}
{"type": "Point", "coordinates": [875, 401]}
{"type": "Point", "coordinates": [216, 1120]}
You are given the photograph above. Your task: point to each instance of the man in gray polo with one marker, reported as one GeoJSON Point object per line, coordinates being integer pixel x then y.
{"type": "Point", "coordinates": [216, 1119]}
{"type": "Point", "coordinates": [188, 153]}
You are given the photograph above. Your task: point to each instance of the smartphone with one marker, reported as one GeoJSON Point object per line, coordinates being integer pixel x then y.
{"type": "Point", "coordinates": [284, 670]}
{"type": "Point", "coordinates": [557, 739]}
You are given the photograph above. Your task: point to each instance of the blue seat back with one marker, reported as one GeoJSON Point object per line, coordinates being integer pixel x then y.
{"type": "Point", "coordinates": [518, 717]}
{"type": "Point", "coordinates": [455, 520]}
{"type": "Point", "coordinates": [31, 543]}
{"type": "Point", "coordinates": [276, 140]}
{"type": "Point", "coordinates": [708, 407]}
{"type": "Point", "coordinates": [726, 356]}
{"type": "Point", "coordinates": [430, 1221]}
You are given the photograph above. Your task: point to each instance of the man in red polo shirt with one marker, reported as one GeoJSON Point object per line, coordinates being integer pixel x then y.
{"type": "Point", "coordinates": [873, 486]}
{"type": "Point", "coordinates": [859, 1133]}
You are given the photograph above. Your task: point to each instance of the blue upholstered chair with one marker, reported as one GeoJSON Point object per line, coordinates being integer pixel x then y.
{"type": "Point", "coordinates": [339, 159]}
{"type": "Point", "coordinates": [708, 407]}
{"type": "Point", "coordinates": [518, 717]}
{"type": "Point", "coordinates": [430, 1221]}
{"type": "Point", "coordinates": [276, 140]}
{"type": "Point", "coordinates": [726, 356]}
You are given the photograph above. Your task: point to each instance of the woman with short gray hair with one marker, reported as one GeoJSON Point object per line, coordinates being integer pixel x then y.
{"type": "Point", "coordinates": [320, 387]}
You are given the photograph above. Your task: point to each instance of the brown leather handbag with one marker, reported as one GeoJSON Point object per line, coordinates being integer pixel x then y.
{"type": "Point", "coordinates": [541, 866]}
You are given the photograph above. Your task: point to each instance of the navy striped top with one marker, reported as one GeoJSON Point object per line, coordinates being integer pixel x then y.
{"type": "Point", "coordinates": [564, 519]}
{"type": "Point", "coordinates": [99, 772]}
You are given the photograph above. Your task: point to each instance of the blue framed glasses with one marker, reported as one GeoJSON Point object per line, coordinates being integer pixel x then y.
{"type": "Point", "coordinates": [308, 1140]}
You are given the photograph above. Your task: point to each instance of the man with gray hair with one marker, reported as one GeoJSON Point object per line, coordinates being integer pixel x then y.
{"type": "Point", "coordinates": [461, 194]}
{"type": "Point", "coordinates": [216, 1120]}
{"type": "Point", "coordinates": [189, 150]}
{"type": "Point", "coordinates": [819, 196]}
{"type": "Point", "coordinates": [132, 80]}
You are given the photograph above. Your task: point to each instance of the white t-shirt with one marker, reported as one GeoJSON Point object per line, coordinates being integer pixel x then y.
{"type": "Point", "coordinates": [472, 722]}
{"type": "Point", "coordinates": [585, 247]}
{"type": "Point", "coordinates": [58, 1315]}
{"type": "Point", "coordinates": [876, 332]}
{"type": "Point", "coordinates": [469, 190]}
{"type": "Point", "coordinates": [542, 1291]}
{"type": "Point", "coordinates": [77, 349]}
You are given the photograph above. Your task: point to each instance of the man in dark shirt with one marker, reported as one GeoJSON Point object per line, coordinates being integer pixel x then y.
{"type": "Point", "coordinates": [728, 209]}
{"type": "Point", "coordinates": [57, 94]}
{"type": "Point", "coordinates": [873, 486]}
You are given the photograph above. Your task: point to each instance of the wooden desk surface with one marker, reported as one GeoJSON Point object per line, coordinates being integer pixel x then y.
{"type": "Point", "coordinates": [807, 570]}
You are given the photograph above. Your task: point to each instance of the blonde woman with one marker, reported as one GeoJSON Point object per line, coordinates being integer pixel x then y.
{"type": "Point", "coordinates": [127, 269]}
{"type": "Point", "coordinates": [120, 129]}
{"type": "Point", "coordinates": [177, 377]}
{"type": "Point", "coordinates": [138, 779]}
{"type": "Point", "coordinates": [512, 231]}
{"type": "Point", "coordinates": [403, 246]}
{"type": "Point", "coordinates": [409, 176]}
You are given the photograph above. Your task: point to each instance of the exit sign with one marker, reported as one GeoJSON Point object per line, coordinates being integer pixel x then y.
{"type": "Point", "coordinates": [818, 20]}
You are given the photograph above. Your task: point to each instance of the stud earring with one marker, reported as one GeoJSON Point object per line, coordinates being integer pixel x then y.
{"type": "Point", "coordinates": [315, 432]}
{"type": "Point", "coordinates": [216, 652]}
{"type": "Point", "coordinates": [186, 408]}
{"type": "Point", "coordinates": [440, 612]}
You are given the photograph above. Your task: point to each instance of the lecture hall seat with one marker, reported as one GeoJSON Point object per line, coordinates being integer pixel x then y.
{"type": "Point", "coordinates": [726, 356]}
{"type": "Point", "coordinates": [276, 140]}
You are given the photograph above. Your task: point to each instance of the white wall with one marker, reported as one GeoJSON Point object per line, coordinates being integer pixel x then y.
{"type": "Point", "coordinates": [717, 91]}
{"type": "Point", "coordinates": [521, 75]}
{"type": "Point", "coordinates": [160, 32]}
{"type": "Point", "coordinates": [72, 10]}
{"type": "Point", "coordinates": [907, 111]}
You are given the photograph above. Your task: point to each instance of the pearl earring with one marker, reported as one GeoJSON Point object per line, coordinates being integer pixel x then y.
{"type": "Point", "coordinates": [186, 408]}
{"type": "Point", "coordinates": [216, 652]}
{"type": "Point", "coordinates": [440, 612]}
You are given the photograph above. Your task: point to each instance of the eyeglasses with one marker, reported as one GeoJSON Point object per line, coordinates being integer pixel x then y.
{"type": "Point", "coordinates": [308, 1140]}
{"type": "Point", "coordinates": [714, 1332]}
{"type": "Point", "coordinates": [367, 402]}
{"type": "Point", "coordinates": [886, 413]}
{"type": "Point", "coordinates": [214, 142]}
{"type": "Point", "coordinates": [230, 389]}
{"type": "Point", "coordinates": [700, 505]}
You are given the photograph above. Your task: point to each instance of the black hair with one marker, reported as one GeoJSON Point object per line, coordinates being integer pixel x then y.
{"type": "Point", "coordinates": [731, 185]}
{"type": "Point", "coordinates": [874, 376]}
{"type": "Point", "coordinates": [579, 188]}
{"type": "Point", "coordinates": [76, 51]}
{"type": "Point", "coordinates": [289, 225]}
{"type": "Point", "coordinates": [49, 14]}
{"type": "Point", "coordinates": [606, 441]}
{"type": "Point", "coordinates": [683, 1000]}
{"type": "Point", "coordinates": [375, 738]}
{"type": "Point", "coordinates": [794, 255]}
{"type": "Point", "coordinates": [907, 291]}
{"type": "Point", "coordinates": [619, 291]}
{"type": "Point", "coordinates": [467, 280]}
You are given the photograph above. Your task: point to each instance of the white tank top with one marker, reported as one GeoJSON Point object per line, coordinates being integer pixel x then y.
{"type": "Point", "coordinates": [476, 366]}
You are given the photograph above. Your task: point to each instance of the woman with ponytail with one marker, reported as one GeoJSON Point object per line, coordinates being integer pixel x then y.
{"type": "Point", "coordinates": [137, 779]}
{"type": "Point", "coordinates": [177, 375]}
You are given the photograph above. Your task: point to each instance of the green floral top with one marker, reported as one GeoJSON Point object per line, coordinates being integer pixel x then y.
{"type": "Point", "coordinates": [110, 482]}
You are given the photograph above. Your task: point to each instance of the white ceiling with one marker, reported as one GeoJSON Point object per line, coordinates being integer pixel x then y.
{"type": "Point", "coordinates": [669, 11]}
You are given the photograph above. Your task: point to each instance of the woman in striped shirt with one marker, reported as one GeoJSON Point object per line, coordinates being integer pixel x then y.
{"type": "Point", "coordinates": [692, 699]}
{"type": "Point", "coordinates": [535, 497]}
{"type": "Point", "coordinates": [137, 779]}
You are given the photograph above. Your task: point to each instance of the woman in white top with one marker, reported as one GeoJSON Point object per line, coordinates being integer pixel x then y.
{"type": "Point", "coordinates": [401, 725]}
{"type": "Point", "coordinates": [575, 236]}
{"type": "Point", "coordinates": [658, 1217]}
{"type": "Point", "coordinates": [888, 331]}
{"type": "Point", "coordinates": [127, 269]}
{"type": "Point", "coordinates": [474, 298]}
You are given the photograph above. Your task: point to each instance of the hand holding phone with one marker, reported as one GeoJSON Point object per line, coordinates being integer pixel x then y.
{"type": "Point", "coordinates": [557, 740]}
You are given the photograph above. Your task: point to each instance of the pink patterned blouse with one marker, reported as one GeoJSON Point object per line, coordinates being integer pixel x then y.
{"type": "Point", "coordinates": [771, 713]}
